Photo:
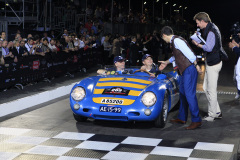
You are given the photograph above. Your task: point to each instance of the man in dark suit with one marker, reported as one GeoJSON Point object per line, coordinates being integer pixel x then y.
{"type": "Point", "coordinates": [22, 49]}
{"type": "Point", "coordinates": [155, 46]}
{"type": "Point", "coordinates": [15, 50]}
{"type": "Point", "coordinates": [52, 35]}
{"type": "Point", "coordinates": [133, 51]}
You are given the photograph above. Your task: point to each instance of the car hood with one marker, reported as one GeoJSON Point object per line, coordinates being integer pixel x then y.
{"type": "Point", "coordinates": [120, 90]}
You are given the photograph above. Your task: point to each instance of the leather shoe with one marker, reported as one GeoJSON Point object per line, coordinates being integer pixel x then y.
{"type": "Point", "coordinates": [177, 121]}
{"type": "Point", "coordinates": [194, 125]}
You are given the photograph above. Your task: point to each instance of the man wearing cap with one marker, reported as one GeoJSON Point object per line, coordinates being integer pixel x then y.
{"type": "Point", "coordinates": [185, 60]}
{"type": "Point", "coordinates": [148, 65]}
{"type": "Point", "coordinates": [119, 67]}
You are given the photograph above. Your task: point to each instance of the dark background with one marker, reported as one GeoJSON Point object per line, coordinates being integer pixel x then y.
{"type": "Point", "coordinates": [223, 13]}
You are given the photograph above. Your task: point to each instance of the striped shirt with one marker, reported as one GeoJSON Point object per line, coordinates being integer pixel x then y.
{"type": "Point", "coordinates": [210, 42]}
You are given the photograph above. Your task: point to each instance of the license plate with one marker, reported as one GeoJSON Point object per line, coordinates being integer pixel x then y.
{"type": "Point", "coordinates": [112, 101]}
{"type": "Point", "coordinates": [110, 109]}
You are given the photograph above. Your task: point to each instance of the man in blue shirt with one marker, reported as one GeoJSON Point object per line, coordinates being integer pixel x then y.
{"type": "Point", "coordinates": [94, 29]}
{"type": "Point", "coordinates": [212, 51]}
{"type": "Point", "coordinates": [184, 60]}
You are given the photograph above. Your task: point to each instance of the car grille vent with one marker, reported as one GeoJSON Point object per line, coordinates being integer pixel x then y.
{"type": "Point", "coordinates": [85, 110]}
{"type": "Point", "coordinates": [111, 117]}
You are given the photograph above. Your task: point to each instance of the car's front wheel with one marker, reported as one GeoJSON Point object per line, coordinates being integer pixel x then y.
{"type": "Point", "coordinates": [162, 117]}
{"type": "Point", "coordinates": [79, 118]}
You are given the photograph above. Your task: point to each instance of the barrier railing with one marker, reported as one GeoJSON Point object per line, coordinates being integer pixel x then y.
{"type": "Point", "coordinates": [36, 68]}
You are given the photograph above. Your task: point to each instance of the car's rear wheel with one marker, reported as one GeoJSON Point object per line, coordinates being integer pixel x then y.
{"type": "Point", "coordinates": [79, 118]}
{"type": "Point", "coordinates": [162, 117]}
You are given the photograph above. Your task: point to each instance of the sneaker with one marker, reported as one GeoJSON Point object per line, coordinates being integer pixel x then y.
{"type": "Point", "coordinates": [237, 96]}
{"type": "Point", "coordinates": [219, 115]}
{"type": "Point", "coordinates": [208, 118]}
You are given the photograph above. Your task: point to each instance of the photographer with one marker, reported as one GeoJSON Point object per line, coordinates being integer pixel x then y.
{"type": "Point", "coordinates": [44, 47]}
{"type": "Point", "coordinates": [235, 32]}
{"type": "Point", "coordinates": [41, 49]}
{"type": "Point", "coordinates": [235, 48]}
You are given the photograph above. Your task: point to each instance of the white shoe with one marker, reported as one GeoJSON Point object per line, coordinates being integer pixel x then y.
{"type": "Point", "coordinates": [218, 115]}
{"type": "Point", "coordinates": [208, 118]}
{"type": "Point", "coordinates": [237, 96]}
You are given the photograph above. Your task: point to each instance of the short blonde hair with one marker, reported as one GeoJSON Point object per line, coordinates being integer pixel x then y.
{"type": "Point", "coordinates": [202, 16]}
{"type": "Point", "coordinates": [106, 39]}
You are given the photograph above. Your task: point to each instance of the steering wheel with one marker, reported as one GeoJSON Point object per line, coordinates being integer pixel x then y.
{"type": "Point", "coordinates": [141, 70]}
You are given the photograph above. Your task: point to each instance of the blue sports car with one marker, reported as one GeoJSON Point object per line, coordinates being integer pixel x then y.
{"type": "Point", "coordinates": [126, 97]}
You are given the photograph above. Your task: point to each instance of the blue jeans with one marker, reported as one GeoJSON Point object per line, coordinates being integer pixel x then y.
{"type": "Point", "coordinates": [188, 98]}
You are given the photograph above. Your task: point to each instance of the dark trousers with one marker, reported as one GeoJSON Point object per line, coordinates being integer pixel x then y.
{"type": "Point", "coordinates": [155, 54]}
{"type": "Point", "coordinates": [105, 57]}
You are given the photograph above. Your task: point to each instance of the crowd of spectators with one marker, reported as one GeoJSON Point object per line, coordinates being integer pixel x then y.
{"type": "Point", "coordinates": [132, 47]}
{"type": "Point", "coordinates": [90, 35]}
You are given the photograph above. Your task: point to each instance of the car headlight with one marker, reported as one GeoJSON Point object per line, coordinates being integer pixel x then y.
{"type": "Point", "coordinates": [149, 99]}
{"type": "Point", "coordinates": [78, 93]}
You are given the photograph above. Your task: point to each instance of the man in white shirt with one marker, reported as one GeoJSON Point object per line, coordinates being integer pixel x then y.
{"type": "Point", "coordinates": [52, 45]}
{"type": "Point", "coordinates": [30, 47]}
{"type": "Point", "coordinates": [186, 64]}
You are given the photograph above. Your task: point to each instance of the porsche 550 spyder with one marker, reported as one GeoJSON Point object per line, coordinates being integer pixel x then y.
{"type": "Point", "coordinates": [126, 97]}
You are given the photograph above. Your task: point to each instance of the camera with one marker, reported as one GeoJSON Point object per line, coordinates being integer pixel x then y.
{"type": "Point", "coordinates": [235, 30]}
{"type": "Point", "coordinates": [38, 48]}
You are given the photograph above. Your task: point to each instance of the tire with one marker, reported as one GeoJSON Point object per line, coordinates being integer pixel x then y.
{"type": "Point", "coordinates": [161, 120]}
{"type": "Point", "coordinates": [79, 118]}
